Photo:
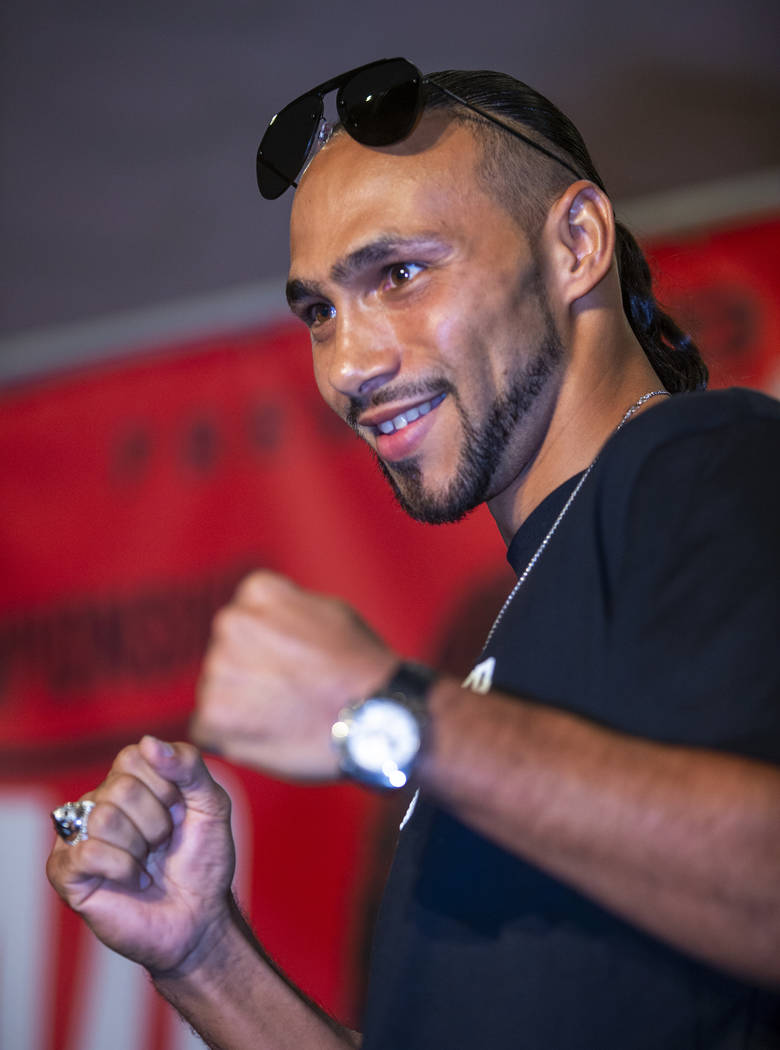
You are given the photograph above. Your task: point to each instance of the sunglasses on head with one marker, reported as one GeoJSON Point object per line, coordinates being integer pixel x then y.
{"type": "Point", "coordinates": [378, 104]}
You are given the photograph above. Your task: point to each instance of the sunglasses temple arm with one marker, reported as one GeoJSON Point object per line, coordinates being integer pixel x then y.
{"type": "Point", "coordinates": [507, 127]}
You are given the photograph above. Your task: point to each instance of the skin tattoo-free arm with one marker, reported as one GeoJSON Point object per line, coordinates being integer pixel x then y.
{"type": "Point", "coordinates": [680, 841]}
{"type": "Point", "coordinates": [152, 881]}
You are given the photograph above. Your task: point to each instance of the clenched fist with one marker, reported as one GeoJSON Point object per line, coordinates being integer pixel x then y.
{"type": "Point", "coordinates": [282, 663]}
{"type": "Point", "coordinates": [152, 880]}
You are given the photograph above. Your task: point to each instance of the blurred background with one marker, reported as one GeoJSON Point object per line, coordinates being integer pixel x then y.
{"type": "Point", "coordinates": [160, 434]}
{"type": "Point", "coordinates": [129, 131]}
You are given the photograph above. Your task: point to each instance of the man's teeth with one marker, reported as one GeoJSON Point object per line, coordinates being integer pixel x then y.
{"type": "Point", "coordinates": [408, 416]}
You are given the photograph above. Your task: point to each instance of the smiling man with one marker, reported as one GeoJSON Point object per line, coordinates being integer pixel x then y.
{"type": "Point", "coordinates": [462, 344]}
{"type": "Point", "coordinates": [592, 858]}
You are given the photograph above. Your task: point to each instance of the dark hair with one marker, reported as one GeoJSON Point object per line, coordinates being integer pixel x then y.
{"type": "Point", "coordinates": [526, 182]}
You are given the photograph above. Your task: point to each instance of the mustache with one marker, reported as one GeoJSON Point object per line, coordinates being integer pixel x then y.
{"type": "Point", "coordinates": [420, 388]}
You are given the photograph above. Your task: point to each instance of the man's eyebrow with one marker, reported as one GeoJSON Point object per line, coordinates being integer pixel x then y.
{"type": "Point", "coordinates": [377, 251]}
{"type": "Point", "coordinates": [298, 291]}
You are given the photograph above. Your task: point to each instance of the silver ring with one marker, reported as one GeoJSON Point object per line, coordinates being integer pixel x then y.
{"type": "Point", "coordinates": [70, 820]}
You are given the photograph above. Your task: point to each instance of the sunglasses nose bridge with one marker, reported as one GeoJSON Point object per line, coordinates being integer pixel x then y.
{"type": "Point", "coordinates": [378, 104]}
{"type": "Point", "coordinates": [324, 134]}
{"type": "Point", "coordinates": [321, 137]}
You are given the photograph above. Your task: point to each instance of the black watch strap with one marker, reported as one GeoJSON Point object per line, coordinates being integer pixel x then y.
{"type": "Point", "coordinates": [410, 683]}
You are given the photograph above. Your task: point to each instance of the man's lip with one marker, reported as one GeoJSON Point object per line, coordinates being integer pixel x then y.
{"type": "Point", "coordinates": [399, 416]}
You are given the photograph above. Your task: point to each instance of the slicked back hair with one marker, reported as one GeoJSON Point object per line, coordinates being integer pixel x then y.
{"type": "Point", "coordinates": [526, 183]}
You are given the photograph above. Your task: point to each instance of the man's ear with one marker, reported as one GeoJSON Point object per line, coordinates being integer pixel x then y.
{"type": "Point", "coordinates": [581, 228]}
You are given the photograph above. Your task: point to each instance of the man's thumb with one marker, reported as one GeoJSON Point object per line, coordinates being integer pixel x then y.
{"type": "Point", "coordinates": [182, 765]}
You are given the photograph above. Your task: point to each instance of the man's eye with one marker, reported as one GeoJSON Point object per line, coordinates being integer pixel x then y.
{"type": "Point", "coordinates": [401, 273]}
{"type": "Point", "coordinates": [319, 313]}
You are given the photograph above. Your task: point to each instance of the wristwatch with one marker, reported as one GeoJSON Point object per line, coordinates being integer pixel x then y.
{"type": "Point", "coordinates": [379, 738]}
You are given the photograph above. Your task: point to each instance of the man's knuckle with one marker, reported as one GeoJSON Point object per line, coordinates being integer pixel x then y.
{"type": "Point", "coordinates": [254, 586]}
{"type": "Point", "coordinates": [262, 586]}
{"type": "Point", "coordinates": [221, 621]}
{"type": "Point", "coordinates": [127, 758]}
{"type": "Point", "coordinates": [89, 852]}
{"type": "Point", "coordinates": [121, 789]}
{"type": "Point", "coordinates": [228, 627]}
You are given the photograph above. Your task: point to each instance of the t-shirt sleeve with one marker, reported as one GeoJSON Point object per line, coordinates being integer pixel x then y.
{"type": "Point", "coordinates": [694, 635]}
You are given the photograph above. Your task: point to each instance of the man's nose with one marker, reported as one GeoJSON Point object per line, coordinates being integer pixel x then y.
{"type": "Point", "coordinates": [366, 355]}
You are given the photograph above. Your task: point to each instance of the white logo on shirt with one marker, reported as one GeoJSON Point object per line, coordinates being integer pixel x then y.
{"type": "Point", "coordinates": [480, 678]}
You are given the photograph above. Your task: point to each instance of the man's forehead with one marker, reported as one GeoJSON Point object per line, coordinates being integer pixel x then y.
{"type": "Point", "coordinates": [437, 143]}
{"type": "Point", "coordinates": [356, 192]}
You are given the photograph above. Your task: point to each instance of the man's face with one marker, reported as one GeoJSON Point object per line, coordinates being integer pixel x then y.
{"type": "Point", "coordinates": [430, 330]}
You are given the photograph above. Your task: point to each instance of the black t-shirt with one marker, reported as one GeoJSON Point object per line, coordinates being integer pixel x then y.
{"type": "Point", "coordinates": [654, 610]}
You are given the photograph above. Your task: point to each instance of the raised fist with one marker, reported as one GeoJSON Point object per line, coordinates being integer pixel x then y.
{"type": "Point", "coordinates": [282, 663]}
{"type": "Point", "coordinates": [152, 877]}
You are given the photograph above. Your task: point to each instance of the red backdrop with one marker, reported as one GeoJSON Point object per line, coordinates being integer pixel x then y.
{"type": "Point", "coordinates": [134, 496]}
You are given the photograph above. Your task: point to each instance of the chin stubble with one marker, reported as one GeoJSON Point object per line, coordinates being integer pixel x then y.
{"type": "Point", "coordinates": [482, 449]}
{"type": "Point", "coordinates": [483, 446]}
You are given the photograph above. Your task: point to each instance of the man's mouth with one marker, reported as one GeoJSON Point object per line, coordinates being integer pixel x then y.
{"type": "Point", "coordinates": [409, 415]}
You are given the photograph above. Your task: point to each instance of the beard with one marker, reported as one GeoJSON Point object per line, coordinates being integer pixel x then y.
{"type": "Point", "coordinates": [483, 446]}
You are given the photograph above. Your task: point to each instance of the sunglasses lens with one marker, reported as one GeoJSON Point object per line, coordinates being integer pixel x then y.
{"type": "Point", "coordinates": [380, 105]}
{"type": "Point", "coordinates": [286, 144]}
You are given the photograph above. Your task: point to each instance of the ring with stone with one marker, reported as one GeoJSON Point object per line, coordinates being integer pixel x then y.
{"type": "Point", "coordinates": [70, 820]}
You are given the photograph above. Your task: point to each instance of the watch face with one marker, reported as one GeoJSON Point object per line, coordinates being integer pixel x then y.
{"type": "Point", "coordinates": [384, 737]}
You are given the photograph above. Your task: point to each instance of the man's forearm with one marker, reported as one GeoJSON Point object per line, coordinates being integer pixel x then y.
{"type": "Point", "coordinates": [237, 999]}
{"type": "Point", "coordinates": [682, 842]}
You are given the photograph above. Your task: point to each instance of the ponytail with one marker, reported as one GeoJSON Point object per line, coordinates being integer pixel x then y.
{"type": "Point", "coordinates": [672, 353]}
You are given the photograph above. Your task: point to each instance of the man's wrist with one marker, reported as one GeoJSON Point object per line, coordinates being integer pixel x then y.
{"type": "Point", "coordinates": [379, 738]}
{"type": "Point", "coordinates": [219, 939]}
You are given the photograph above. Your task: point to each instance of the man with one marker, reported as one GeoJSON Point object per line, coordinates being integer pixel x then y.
{"type": "Point", "coordinates": [593, 860]}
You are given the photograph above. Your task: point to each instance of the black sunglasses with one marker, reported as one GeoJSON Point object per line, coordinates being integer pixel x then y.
{"type": "Point", "coordinates": [378, 104]}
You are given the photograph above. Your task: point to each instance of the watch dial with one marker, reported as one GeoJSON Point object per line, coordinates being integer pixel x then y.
{"type": "Point", "coordinates": [383, 735]}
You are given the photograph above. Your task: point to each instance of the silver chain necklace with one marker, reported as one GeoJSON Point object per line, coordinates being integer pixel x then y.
{"type": "Point", "coordinates": [565, 509]}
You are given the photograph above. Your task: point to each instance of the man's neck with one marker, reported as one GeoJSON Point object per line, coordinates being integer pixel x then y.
{"type": "Point", "coordinates": [584, 418]}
